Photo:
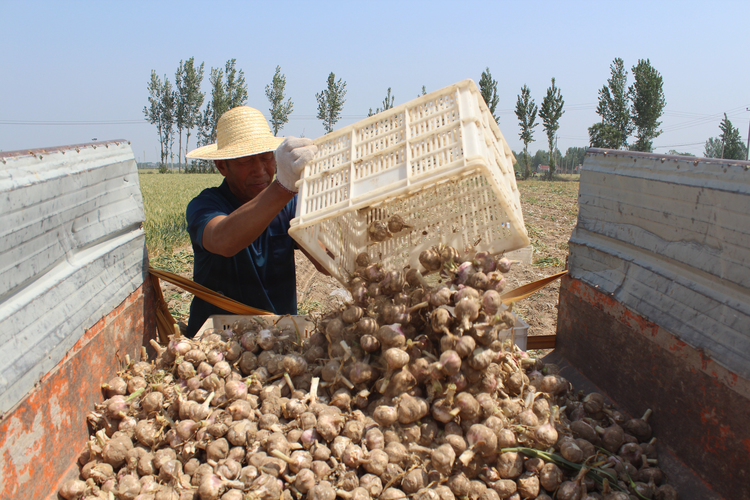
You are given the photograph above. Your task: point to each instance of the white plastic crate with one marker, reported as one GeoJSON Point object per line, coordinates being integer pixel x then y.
{"type": "Point", "coordinates": [518, 334]}
{"type": "Point", "coordinates": [224, 322]}
{"type": "Point", "coordinates": [439, 161]}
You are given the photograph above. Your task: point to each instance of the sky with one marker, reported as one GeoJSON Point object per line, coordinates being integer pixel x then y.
{"type": "Point", "coordinates": [76, 71]}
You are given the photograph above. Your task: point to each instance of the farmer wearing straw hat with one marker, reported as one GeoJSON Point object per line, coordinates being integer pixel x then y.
{"type": "Point", "coordinates": [239, 229]}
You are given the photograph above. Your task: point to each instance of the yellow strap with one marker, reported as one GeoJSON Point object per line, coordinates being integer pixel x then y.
{"type": "Point", "coordinates": [528, 289]}
{"type": "Point", "coordinates": [206, 294]}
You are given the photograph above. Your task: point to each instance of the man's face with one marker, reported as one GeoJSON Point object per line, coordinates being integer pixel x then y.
{"type": "Point", "coordinates": [248, 176]}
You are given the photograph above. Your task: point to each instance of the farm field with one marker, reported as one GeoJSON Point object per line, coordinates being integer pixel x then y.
{"type": "Point", "coordinates": [550, 211]}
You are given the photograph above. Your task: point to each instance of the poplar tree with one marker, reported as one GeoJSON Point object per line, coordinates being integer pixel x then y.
{"type": "Point", "coordinates": [728, 145]}
{"type": "Point", "coordinates": [235, 88]}
{"type": "Point", "coordinates": [280, 110]}
{"type": "Point", "coordinates": [387, 104]}
{"type": "Point", "coordinates": [647, 104]}
{"type": "Point", "coordinates": [550, 113]}
{"type": "Point", "coordinates": [331, 102]}
{"type": "Point", "coordinates": [167, 112]}
{"type": "Point", "coordinates": [488, 89]}
{"type": "Point", "coordinates": [614, 108]}
{"type": "Point", "coordinates": [189, 100]}
{"type": "Point", "coordinates": [152, 112]}
{"type": "Point", "coordinates": [225, 95]}
{"type": "Point", "coordinates": [526, 110]}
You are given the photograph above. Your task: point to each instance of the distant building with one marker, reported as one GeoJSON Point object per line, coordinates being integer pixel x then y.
{"type": "Point", "coordinates": [542, 169]}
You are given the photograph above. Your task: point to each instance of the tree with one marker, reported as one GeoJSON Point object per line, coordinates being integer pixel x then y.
{"type": "Point", "coordinates": [677, 153]}
{"type": "Point", "coordinates": [573, 157]}
{"type": "Point", "coordinates": [180, 109]}
{"type": "Point", "coordinates": [616, 125]}
{"type": "Point", "coordinates": [729, 143]}
{"type": "Point", "coordinates": [235, 88]}
{"type": "Point", "coordinates": [192, 79]}
{"type": "Point", "coordinates": [153, 110]}
{"type": "Point", "coordinates": [331, 102]}
{"type": "Point", "coordinates": [541, 157]}
{"type": "Point", "coordinates": [387, 104]}
{"type": "Point", "coordinates": [424, 91]}
{"type": "Point", "coordinates": [488, 89]}
{"type": "Point", "coordinates": [188, 101]}
{"type": "Point", "coordinates": [167, 111]}
{"type": "Point", "coordinates": [160, 112]}
{"type": "Point", "coordinates": [280, 110]}
{"type": "Point", "coordinates": [214, 109]}
{"type": "Point", "coordinates": [647, 104]}
{"type": "Point", "coordinates": [550, 113]}
{"type": "Point", "coordinates": [526, 110]}
{"type": "Point", "coordinates": [713, 148]}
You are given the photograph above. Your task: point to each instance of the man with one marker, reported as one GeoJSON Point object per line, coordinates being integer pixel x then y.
{"type": "Point", "coordinates": [239, 230]}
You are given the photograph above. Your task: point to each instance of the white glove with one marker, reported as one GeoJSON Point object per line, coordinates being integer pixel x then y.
{"type": "Point", "coordinates": [291, 157]}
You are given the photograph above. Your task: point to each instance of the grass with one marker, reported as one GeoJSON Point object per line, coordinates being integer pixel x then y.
{"type": "Point", "coordinates": [549, 262]}
{"type": "Point", "coordinates": [165, 198]}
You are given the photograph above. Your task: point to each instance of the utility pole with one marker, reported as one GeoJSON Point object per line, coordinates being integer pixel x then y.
{"type": "Point", "coordinates": [747, 148]}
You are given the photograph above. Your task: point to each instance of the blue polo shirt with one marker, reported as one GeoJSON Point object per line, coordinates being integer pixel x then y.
{"type": "Point", "coordinates": [261, 275]}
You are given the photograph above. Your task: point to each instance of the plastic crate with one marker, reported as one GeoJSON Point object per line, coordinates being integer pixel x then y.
{"type": "Point", "coordinates": [225, 322]}
{"type": "Point", "coordinates": [438, 161]}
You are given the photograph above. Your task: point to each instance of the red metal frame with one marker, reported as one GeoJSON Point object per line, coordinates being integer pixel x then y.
{"type": "Point", "coordinates": [42, 437]}
{"type": "Point", "coordinates": [700, 408]}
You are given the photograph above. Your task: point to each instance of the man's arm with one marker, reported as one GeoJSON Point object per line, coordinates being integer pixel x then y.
{"type": "Point", "coordinates": [226, 235]}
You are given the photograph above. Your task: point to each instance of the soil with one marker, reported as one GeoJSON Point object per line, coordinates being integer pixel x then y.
{"type": "Point", "coordinates": [550, 215]}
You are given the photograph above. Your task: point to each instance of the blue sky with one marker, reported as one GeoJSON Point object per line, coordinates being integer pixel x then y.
{"type": "Point", "coordinates": [70, 62]}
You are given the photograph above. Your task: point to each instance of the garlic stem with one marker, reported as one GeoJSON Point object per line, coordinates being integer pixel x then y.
{"type": "Point", "coordinates": [347, 350]}
{"type": "Point", "coordinates": [288, 380]}
{"type": "Point", "coordinates": [417, 307]}
{"type": "Point", "coordinates": [422, 449]}
{"type": "Point", "coordinates": [157, 347]}
{"type": "Point", "coordinates": [313, 394]}
{"type": "Point", "coordinates": [135, 394]}
{"type": "Point", "coordinates": [279, 454]}
{"type": "Point", "coordinates": [646, 415]}
{"type": "Point", "coordinates": [466, 456]}
{"type": "Point", "coordinates": [346, 382]}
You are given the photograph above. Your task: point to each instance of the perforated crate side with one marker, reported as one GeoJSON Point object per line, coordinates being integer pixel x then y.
{"type": "Point", "coordinates": [439, 161]}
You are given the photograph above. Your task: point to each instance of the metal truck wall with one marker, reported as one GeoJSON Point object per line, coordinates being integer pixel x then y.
{"type": "Point", "coordinates": [74, 300]}
{"type": "Point", "coordinates": [656, 310]}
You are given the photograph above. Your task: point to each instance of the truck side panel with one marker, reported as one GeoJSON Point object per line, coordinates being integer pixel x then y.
{"type": "Point", "coordinates": [656, 308]}
{"type": "Point", "coordinates": [76, 301]}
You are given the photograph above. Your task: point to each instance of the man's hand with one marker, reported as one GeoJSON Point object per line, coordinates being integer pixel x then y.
{"type": "Point", "coordinates": [291, 157]}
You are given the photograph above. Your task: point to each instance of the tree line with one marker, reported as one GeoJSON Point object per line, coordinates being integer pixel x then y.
{"type": "Point", "coordinates": [179, 109]}
{"type": "Point", "coordinates": [629, 114]}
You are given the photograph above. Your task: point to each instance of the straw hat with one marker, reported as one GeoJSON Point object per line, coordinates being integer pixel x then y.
{"type": "Point", "coordinates": [241, 131]}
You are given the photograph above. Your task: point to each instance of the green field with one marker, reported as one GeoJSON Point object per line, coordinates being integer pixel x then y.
{"type": "Point", "coordinates": [165, 198]}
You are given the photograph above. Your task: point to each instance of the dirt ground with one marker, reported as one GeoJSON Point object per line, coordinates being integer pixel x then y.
{"type": "Point", "coordinates": [550, 211]}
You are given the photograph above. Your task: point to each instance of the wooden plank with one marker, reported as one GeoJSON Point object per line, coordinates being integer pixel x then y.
{"type": "Point", "coordinates": [541, 342]}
